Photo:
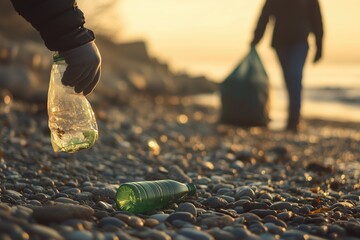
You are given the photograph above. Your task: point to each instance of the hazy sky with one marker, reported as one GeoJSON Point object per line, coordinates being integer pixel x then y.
{"type": "Point", "coordinates": [210, 36]}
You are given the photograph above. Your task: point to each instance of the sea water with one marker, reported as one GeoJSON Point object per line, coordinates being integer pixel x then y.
{"type": "Point", "coordinates": [329, 93]}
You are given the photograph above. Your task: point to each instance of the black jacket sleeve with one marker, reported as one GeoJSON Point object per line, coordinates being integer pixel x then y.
{"type": "Point", "coordinates": [262, 22]}
{"type": "Point", "coordinates": [316, 22]}
{"type": "Point", "coordinates": [59, 22]}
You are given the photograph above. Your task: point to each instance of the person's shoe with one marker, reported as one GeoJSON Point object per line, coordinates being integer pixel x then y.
{"type": "Point", "coordinates": [293, 126]}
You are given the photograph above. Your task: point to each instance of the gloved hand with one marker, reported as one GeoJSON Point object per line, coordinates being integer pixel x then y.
{"type": "Point", "coordinates": [253, 44]}
{"type": "Point", "coordinates": [318, 53]}
{"type": "Point", "coordinates": [84, 67]}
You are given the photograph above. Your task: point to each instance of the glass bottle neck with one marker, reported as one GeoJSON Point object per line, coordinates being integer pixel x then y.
{"type": "Point", "coordinates": [192, 188]}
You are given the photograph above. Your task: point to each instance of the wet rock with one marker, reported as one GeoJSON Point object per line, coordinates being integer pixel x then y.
{"type": "Point", "coordinates": [152, 234]}
{"type": "Point", "coordinates": [4, 207]}
{"type": "Point", "coordinates": [255, 206]}
{"type": "Point", "coordinates": [229, 199]}
{"type": "Point", "coordinates": [285, 216]}
{"type": "Point", "coordinates": [298, 220]}
{"type": "Point", "coordinates": [105, 206]}
{"type": "Point", "coordinates": [176, 173]}
{"type": "Point", "coordinates": [22, 212]}
{"type": "Point", "coordinates": [66, 200]}
{"type": "Point", "coordinates": [135, 222]}
{"type": "Point", "coordinates": [187, 207]}
{"type": "Point", "coordinates": [151, 222]}
{"type": "Point", "coordinates": [76, 224]}
{"type": "Point", "coordinates": [99, 214]}
{"type": "Point", "coordinates": [294, 234]}
{"type": "Point", "coordinates": [250, 217]}
{"type": "Point", "coordinates": [243, 233]}
{"type": "Point", "coordinates": [274, 229]}
{"type": "Point", "coordinates": [263, 212]}
{"type": "Point", "coordinates": [13, 195]}
{"type": "Point", "coordinates": [71, 191]}
{"type": "Point", "coordinates": [343, 205]}
{"type": "Point", "coordinates": [44, 232]}
{"type": "Point", "coordinates": [222, 187]}
{"type": "Point", "coordinates": [195, 234]}
{"type": "Point", "coordinates": [104, 194]}
{"type": "Point", "coordinates": [112, 221]}
{"type": "Point", "coordinates": [218, 234]}
{"type": "Point", "coordinates": [215, 202]}
{"type": "Point", "coordinates": [257, 228]}
{"type": "Point", "coordinates": [244, 192]}
{"type": "Point", "coordinates": [316, 220]}
{"type": "Point", "coordinates": [83, 196]}
{"type": "Point", "coordinates": [266, 196]}
{"type": "Point", "coordinates": [183, 216]}
{"type": "Point", "coordinates": [160, 217]}
{"type": "Point", "coordinates": [319, 230]}
{"type": "Point", "coordinates": [79, 235]}
{"type": "Point", "coordinates": [217, 221]}
{"type": "Point", "coordinates": [41, 197]}
{"type": "Point", "coordinates": [337, 229]}
{"type": "Point", "coordinates": [281, 206]}
{"type": "Point", "coordinates": [275, 220]}
{"type": "Point", "coordinates": [352, 227]}
{"type": "Point", "coordinates": [61, 212]}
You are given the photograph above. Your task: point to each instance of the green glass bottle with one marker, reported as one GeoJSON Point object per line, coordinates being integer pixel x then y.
{"type": "Point", "coordinates": [137, 197]}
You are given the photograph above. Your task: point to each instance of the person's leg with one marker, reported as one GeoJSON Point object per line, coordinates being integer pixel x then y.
{"type": "Point", "coordinates": [292, 60]}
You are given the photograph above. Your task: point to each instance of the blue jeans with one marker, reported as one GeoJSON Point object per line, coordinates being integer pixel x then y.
{"type": "Point", "coordinates": [292, 59]}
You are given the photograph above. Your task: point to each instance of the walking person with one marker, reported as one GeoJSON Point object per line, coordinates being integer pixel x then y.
{"type": "Point", "coordinates": [293, 22]}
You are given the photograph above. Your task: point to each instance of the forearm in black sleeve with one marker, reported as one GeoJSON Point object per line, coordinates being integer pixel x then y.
{"type": "Point", "coordinates": [316, 22]}
{"type": "Point", "coordinates": [59, 22]}
{"type": "Point", "coordinates": [262, 22]}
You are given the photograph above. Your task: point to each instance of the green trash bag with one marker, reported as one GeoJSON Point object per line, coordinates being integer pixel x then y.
{"type": "Point", "coordinates": [245, 93]}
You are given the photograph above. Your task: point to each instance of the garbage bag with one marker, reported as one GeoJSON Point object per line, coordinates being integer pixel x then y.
{"type": "Point", "coordinates": [245, 93]}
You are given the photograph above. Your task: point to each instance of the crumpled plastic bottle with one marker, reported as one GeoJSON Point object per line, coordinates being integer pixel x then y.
{"type": "Point", "coordinates": [71, 119]}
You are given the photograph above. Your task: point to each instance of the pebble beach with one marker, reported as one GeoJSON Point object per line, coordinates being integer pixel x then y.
{"type": "Point", "coordinates": [252, 183]}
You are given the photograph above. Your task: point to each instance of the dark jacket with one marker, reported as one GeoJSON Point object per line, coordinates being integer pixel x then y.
{"type": "Point", "coordinates": [294, 20]}
{"type": "Point", "coordinates": [59, 22]}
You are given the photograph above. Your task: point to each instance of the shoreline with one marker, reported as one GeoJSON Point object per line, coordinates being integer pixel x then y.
{"type": "Point", "coordinates": [278, 110]}
{"type": "Point", "coordinates": [320, 122]}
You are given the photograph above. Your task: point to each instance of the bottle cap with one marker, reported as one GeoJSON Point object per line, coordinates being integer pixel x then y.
{"type": "Point", "coordinates": [57, 57]}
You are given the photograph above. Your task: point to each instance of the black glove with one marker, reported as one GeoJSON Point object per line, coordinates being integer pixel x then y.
{"type": "Point", "coordinates": [318, 53]}
{"type": "Point", "coordinates": [253, 44]}
{"type": "Point", "coordinates": [84, 67]}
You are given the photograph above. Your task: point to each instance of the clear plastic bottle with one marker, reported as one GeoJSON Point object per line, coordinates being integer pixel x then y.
{"type": "Point", "coordinates": [137, 197]}
{"type": "Point", "coordinates": [71, 119]}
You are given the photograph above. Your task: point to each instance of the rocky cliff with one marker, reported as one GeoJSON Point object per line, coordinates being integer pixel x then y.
{"type": "Point", "coordinates": [127, 67]}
